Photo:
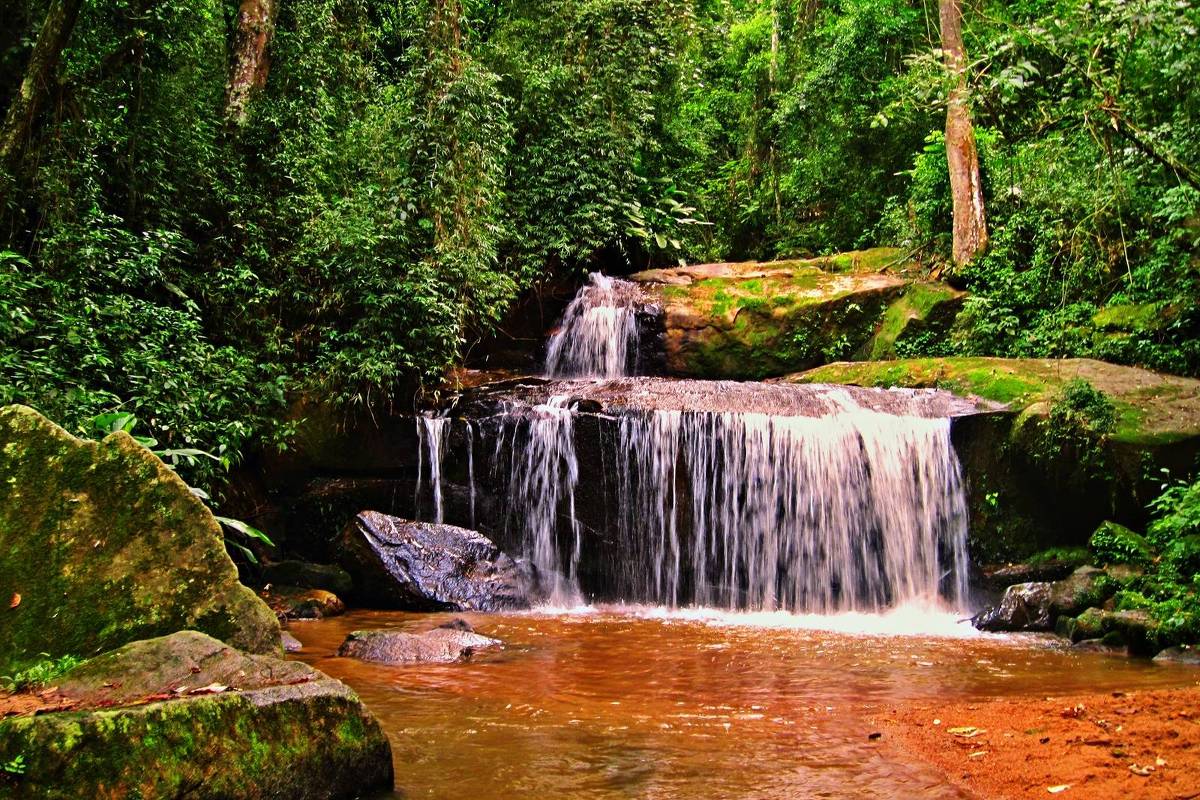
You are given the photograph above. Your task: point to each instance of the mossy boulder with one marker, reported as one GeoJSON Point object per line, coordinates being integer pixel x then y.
{"type": "Point", "coordinates": [756, 320]}
{"type": "Point", "coordinates": [102, 544]}
{"type": "Point", "coordinates": [924, 310]}
{"type": "Point", "coordinates": [236, 725]}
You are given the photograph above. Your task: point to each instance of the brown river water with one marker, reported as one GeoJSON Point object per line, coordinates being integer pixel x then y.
{"type": "Point", "coordinates": [639, 703]}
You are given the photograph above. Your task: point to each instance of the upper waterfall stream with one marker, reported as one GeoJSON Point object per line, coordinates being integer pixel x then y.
{"type": "Point", "coordinates": [598, 334]}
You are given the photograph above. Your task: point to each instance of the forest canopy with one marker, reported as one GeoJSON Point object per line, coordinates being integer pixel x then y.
{"type": "Point", "coordinates": [209, 207]}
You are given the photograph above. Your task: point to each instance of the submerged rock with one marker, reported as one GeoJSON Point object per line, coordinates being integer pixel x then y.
{"type": "Point", "coordinates": [422, 566]}
{"type": "Point", "coordinates": [290, 602]}
{"type": "Point", "coordinates": [443, 645]}
{"type": "Point", "coordinates": [102, 544]}
{"type": "Point", "coordinates": [185, 716]}
{"type": "Point", "coordinates": [1180, 655]}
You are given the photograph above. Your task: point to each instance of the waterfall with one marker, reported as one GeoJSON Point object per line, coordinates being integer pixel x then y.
{"type": "Point", "coordinates": [431, 438]}
{"type": "Point", "coordinates": [598, 333]}
{"type": "Point", "coordinates": [542, 479]}
{"type": "Point", "coordinates": [856, 510]}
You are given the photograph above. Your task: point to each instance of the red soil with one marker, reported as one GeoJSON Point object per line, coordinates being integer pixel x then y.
{"type": "Point", "coordinates": [1136, 745]}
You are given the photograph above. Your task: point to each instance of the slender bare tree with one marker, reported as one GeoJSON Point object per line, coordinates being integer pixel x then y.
{"type": "Point", "coordinates": [962, 157]}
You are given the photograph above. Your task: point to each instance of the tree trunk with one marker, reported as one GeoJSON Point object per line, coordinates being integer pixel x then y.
{"type": "Point", "coordinates": [251, 64]}
{"type": "Point", "coordinates": [966, 188]}
{"type": "Point", "coordinates": [52, 39]}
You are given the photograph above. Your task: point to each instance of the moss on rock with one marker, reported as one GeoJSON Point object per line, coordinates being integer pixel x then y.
{"type": "Point", "coordinates": [760, 320]}
{"type": "Point", "coordinates": [106, 545]}
{"type": "Point", "coordinates": [273, 729]}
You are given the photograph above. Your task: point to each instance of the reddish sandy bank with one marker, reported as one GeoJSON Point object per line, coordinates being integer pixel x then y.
{"type": "Point", "coordinates": [1143, 745]}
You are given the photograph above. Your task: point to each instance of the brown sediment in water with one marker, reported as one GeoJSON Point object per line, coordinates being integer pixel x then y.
{"type": "Point", "coordinates": [630, 702]}
{"type": "Point", "coordinates": [1099, 746]}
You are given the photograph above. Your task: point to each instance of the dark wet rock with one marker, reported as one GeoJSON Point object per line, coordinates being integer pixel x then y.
{"type": "Point", "coordinates": [1024, 607]}
{"type": "Point", "coordinates": [106, 545]}
{"type": "Point", "coordinates": [291, 602]}
{"type": "Point", "coordinates": [422, 566]}
{"type": "Point", "coordinates": [444, 645]}
{"type": "Point", "coordinates": [185, 716]}
{"type": "Point", "coordinates": [1135, 628]}
{"type": "Point", "coordinates": [1039, 605]}
{"type": "Point", "coordinates": [1179, 655]}
{"type": "Point", "coordinates": [307, 575]}
{"type": "Point", "coordinates": [291, 644]}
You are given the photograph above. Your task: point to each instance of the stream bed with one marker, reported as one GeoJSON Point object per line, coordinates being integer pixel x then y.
{"type": "Point", "coordinates": [638, 702]}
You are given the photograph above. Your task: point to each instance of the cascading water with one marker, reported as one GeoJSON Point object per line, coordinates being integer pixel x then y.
{"type": "Point", "coordinates": [431, 438]}
{"type": "Point", "coordinates": [856, 511]}
{"type": "Point", "coordinates": [767, 496]}
{"type": "Point", "coordinates": [853, 510]}
{"type": "Point", "coordinates": [598, 334]}
{"type": "Point", "coordinates": [544, 469]}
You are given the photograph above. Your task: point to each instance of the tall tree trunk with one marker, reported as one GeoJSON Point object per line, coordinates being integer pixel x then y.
{"type": "Point", "coordinates": [773, 76]}
{"type": "Point", "coordinates": [52, 39]}
{"type": "Point", "coordinates": [251, 64]}
{"type": "Point", "coordinates": [966, 188]}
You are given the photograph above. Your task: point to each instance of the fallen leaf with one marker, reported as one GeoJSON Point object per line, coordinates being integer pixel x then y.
{"type": "Point", "coordinates": [1138, 769]}
{"type": "Point", "coordinates": [1057, 789]}
{"type": "Point", "coordinates": [1160, 762]}
{"type": "Point", "coordinates": [212, 688]}
{"type": "Point", "coordinates": [967, 731]}
{"type": "Point", "coordinates": [977, 754]}
{"type": "Point", "coordinates": [16, 600]}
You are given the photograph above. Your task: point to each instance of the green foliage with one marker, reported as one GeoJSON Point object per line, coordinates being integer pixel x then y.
{"type": "Point", "coordinates": [40, 674]}
{"type": "Point", "coordinates": [1116, 544]}
{"type": "Point", "coordinates": [1170, 585]}
{"type": "Point", "coordinates": [410, 167]}
{"type": "Point", "coordinates": [1080, 421]}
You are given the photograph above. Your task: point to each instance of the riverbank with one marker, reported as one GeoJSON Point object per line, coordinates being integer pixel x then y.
{"type": "Point", "coordinates": [1115, 744]}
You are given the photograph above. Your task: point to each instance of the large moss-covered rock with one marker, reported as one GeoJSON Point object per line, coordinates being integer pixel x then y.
{"type": "Point", "coordinates": [237, 726]}
{"type": "Point", "coordinates": [102, 544]}
{"type": "Point", "coordinates": [756, 320]}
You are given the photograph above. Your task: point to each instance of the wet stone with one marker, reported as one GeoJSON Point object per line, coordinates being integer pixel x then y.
{"type": "Point", "coordinates": [444, 645]}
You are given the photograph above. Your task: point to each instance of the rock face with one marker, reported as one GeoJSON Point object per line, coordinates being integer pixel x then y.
{"type": "Point", "coordinates": [438, 646]}
{"type": "Point", "coordinates": [758, 320]}
{"type": "Point", "coordinates": [105, 545]}
{"type": "Point", "coordinates": [258, 727]}
{"type": "Point", "coordinates": [421, 566]}
{"type": "Point", "coordinates": [1038, 606]}
{"type": "Point", "coordinates": [1024, 607]}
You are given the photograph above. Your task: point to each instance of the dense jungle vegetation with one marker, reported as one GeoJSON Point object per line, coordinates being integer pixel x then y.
{"type": "Point", "coordinates": [195, 245]}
